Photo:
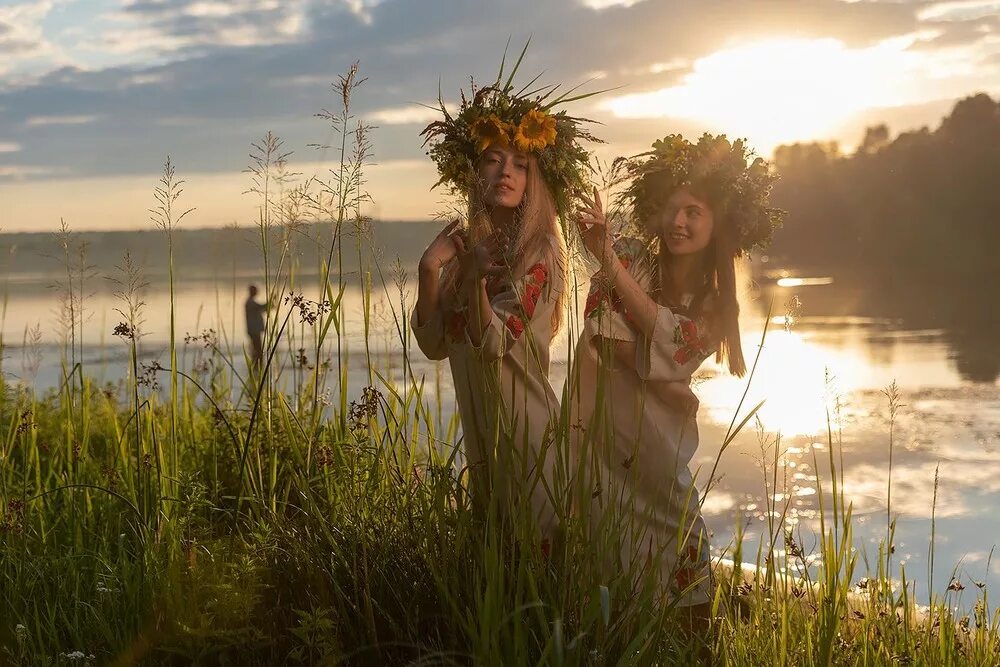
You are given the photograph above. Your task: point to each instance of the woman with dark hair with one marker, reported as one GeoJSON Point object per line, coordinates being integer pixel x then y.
{"type": "Point", "coordinates": [662, 302]}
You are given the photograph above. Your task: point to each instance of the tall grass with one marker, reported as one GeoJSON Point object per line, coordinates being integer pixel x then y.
{"type": "Point", "coordinates": [282, 515]}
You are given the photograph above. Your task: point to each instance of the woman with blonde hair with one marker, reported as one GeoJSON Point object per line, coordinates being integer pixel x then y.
{"type": "Point", "coordinates": [492, 292]}
{"type": "Point", "coordinates": [662, 302]}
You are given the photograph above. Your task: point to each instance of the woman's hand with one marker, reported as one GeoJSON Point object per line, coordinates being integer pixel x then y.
{"type": "Point", "coordinates": [678, 395]}
{"type": "Point", "coordinates": [445, 247]}
{"type": "Point", "coordinates": [479, 262]}
{"type": "Point", "coordinates": [594, 229]}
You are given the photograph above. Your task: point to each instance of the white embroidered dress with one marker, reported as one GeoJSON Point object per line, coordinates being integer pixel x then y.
{"type": "Point", "coordinates": [632, 448]}
{"type": "Point", "coordinates": [505, 401]}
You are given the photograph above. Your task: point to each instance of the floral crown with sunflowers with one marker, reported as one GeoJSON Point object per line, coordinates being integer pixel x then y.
{"type": "Point", "coordinates": [497, 115]}
{"type": "Point", "coordinates": [727, 172]}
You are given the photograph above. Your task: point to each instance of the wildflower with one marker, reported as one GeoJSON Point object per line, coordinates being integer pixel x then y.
{"type": "Point", "coordinates": [794, 550]}
{"type": "Point", "coordinates": [309, 311]}
{"type": "Point", "coordinates": [207, 338]}
{"type": "Point", "coordinates": [75, 655]}
{"type": "Point", "coordinates": [26, 423]}
{"type": "Point", "coordinates": [324, 456]}
{"type": "Point", "coordinates": [13, 519]}
{"type": "Point", "coordinates": [124, 329]}
{"type": "Point", "coordinates": [536, 130]}
{"type": "Point", "coordinates": [364, 409]}
{"type": "Point", "coordinates": [489, 130]}
{"type": "Point", "coordinates": [956, 585]}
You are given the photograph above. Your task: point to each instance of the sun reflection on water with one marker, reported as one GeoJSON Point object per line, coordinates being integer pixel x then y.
{"type": "Point", "coordinates": [795, 376]}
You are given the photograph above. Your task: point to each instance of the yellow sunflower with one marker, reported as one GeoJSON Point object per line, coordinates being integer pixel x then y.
{"type": "Point", "coordinates": [488, 130]}
{"type": "Point", "coordinates": [536, 130]}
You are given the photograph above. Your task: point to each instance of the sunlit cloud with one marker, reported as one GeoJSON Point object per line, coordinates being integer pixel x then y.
{"type": "Point", "coordinates": [959, 10]}
{"type": "Point", "coordinates": [211, 9]}
{"type": "Point", "coordinates": [604, 4]}
{"type": "Point", "coordinates": [414, 113]}
{"type": "Point", "coordinates": [399, 190]}
{"type": "Point", "coordinates": [190, 77]}
{"type": "Point", "coordinates": [9, 147]}
{"type": "Point", "coordinates": [782, 90]}
{"type": "Point", "coordinates": [23, 40]}
{"type": "Point", "coordinates": [160, 27]}
{"type": "Point", "coordinates": [17, 172]}
{"type": "Point", "coordinates": [147, 79]}
{"type": "Point", "coordinates": [39, 121]}
{"type": "Point", "coordinates": [361, 9]}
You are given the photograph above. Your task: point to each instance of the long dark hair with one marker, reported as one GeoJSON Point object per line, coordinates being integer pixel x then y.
{"type": "Point", "coordinates": [715, 294]}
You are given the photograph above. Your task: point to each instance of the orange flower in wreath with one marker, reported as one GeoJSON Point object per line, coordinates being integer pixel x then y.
{"type": "Point", "coordinates": [536, 130]}
{"type": "Point", "coordinates": [489, 130]}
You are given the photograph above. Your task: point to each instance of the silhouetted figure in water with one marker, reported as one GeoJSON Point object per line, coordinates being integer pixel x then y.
{"type": "Point", "coordinates": [255, 326]}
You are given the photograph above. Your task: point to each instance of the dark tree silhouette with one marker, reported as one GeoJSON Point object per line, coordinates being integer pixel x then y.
{"type": "Point", "coordinates": [913, 221]}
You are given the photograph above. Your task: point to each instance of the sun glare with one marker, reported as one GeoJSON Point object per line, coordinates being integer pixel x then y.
{"type": "Point", "coordinates": [780, 90]}
{"type": "Point", "coordinates": [793, 376]}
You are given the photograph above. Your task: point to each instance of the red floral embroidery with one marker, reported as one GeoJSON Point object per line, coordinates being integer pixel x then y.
{"type": "Point", "coordinates": [599, 292]}
{"type": "Point", "coordinates": [530, 299]}
{"type": "Point", "coordinates": [456, 326]}
{"type": "Point", "coordinates": [538, 275]}
{"type": "Point", "coordinates": [593, 301]}
{"type": "Point", "coordinates": [515, 325]}
{"type": "Point", "coordinates": [692, 344]}
{"type": "Point", "coordinates": [690, 568]}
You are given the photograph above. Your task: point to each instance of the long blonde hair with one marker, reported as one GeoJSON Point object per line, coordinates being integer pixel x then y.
{"type": "Point", "coordinates": [539, 237]}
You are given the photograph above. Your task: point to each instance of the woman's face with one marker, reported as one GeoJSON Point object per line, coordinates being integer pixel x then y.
{"type": "Point", "coordinates": [685, 224]}
{"type": "Point", "coordinates": [504, 176]}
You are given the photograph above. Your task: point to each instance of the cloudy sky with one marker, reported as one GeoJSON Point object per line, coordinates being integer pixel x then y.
{"type": "Point", "coordinates": [94, 94]}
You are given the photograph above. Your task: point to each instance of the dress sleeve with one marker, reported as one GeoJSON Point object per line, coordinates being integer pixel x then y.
{"type": "Point", "coordinates": [604, 315]}
{"type": "Point", "coordinates": [430, 336]}
{"type": "Point", "coordinates": [522, 312]}
{"type": "Point", "coordinates": [676, 349]}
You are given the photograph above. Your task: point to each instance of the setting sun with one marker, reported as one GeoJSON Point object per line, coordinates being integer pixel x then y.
{"type": "Point", "coordinates": [780, 90]}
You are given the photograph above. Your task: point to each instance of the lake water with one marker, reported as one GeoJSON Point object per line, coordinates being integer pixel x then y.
{"type": "Point", "coordinates": [822, 370]}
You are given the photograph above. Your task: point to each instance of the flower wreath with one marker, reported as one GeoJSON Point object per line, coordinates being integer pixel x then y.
{"type": "Point", "coordinates": [740, 189]}
{"type": "Point", "coordinates": [524, 120]}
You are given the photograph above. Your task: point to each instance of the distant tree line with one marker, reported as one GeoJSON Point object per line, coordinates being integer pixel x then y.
{"type": "Point", "coordinates": [921, 207]}
{"type": "Point", "coordinates": [913, 220]}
